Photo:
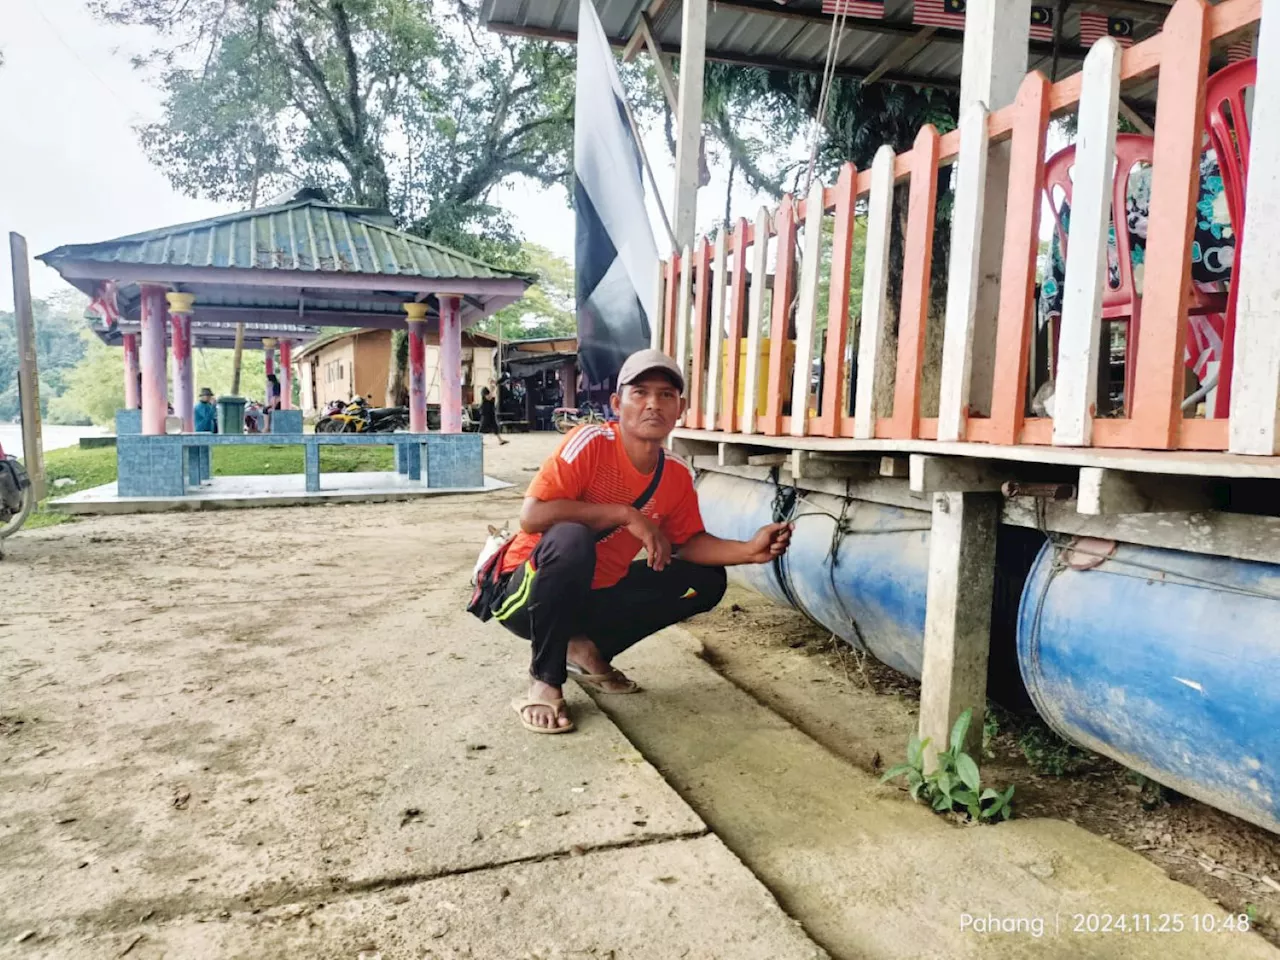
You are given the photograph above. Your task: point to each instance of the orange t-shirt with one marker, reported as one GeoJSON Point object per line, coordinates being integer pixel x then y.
{"type": "Point", "coordinates": [591, 465]}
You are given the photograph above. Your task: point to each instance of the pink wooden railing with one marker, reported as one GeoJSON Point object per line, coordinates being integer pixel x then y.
{"type": "Point", "coordinates": [711, 301]}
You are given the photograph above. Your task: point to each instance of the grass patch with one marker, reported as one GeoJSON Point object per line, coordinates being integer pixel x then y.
{"type": "Point", "coordinates": [94, 467]}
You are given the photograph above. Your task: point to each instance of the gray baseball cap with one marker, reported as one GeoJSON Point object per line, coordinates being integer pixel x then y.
{"type": "Point", "coordinates": [643, 361]}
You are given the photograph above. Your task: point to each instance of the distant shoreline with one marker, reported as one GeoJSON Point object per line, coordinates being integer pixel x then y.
{"type": "Point", "coordinates": [53, 435]}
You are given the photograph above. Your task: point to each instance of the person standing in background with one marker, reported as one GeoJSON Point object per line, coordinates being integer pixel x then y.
{"type": "Point", "coordinates": [489, 416]}
{"type": "Point", "coordinates": [206, 412]}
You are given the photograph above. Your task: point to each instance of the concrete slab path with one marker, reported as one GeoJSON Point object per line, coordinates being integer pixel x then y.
{"type": "Point", "coordinates": [871, 874]}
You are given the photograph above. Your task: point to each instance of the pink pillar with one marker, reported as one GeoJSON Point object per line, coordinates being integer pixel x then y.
{"type": "Point", "coordinates": [417, 321]}
{"type": "Point", "coordinates": [132, 400]}
{"type": "Point", "coordinates": [155, 402]}
{"type": "Point", "coordinates": [450, 363]}
{"type": "Point", "coordinates": [286, 374]}
{"type": "Point", "coordinates": [184, 383]}
{"type": "Point", "coordinates": [568, 384]}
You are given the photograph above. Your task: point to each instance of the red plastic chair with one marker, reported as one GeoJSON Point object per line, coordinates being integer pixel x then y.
{"type": "Point", "coordinates": [1120, 303]}
{"type": "Point", "coordinates": [1227, 123]}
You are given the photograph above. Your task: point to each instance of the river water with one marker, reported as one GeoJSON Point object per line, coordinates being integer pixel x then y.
{"type": "Point", "coordinates": [54, 436]}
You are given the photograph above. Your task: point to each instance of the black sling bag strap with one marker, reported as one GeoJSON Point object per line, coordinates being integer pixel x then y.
{"type": "Point", "coordinates": [639, 502]}
{"type": "Point", "coordinates": [489, 580]}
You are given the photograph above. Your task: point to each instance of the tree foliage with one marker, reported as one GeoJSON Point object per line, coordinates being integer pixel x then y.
{"type": "Point", "coordinates": [396, 104]}
{"type": "Point", "coordinates": [548, 308]}
{"type": "Point", "coordinates": [59, 347]}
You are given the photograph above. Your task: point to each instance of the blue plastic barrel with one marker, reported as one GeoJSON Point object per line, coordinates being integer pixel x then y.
{"type": "Point", "coordinates": [1167, 662]}
{"type": "Point", "coordinates": [873, 596]}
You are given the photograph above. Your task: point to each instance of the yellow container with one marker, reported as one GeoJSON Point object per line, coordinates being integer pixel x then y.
{"type": "Point", "coordinates": [762, 378]}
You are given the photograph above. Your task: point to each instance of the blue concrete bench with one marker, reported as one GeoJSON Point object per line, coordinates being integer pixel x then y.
{"type": "Point", "coordinates": [166, 466]}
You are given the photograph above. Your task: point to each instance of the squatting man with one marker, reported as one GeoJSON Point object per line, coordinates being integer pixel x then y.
{"type": "Point", "coordinates": [570, 581]}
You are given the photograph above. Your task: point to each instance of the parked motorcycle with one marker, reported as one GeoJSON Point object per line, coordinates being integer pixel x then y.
{"type": "Point", "coordinates": [358, 417]}
{"type": "Point", "coordinates": [17, 496]}
{"type": "Point", "coordinates": [566, 418]}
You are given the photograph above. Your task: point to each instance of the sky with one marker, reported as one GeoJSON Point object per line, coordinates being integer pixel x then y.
{"type": "Point", "coordinates": [72, 171]}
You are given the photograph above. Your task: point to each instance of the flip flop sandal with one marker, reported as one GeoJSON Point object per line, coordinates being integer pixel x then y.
{"type": "Point", "coordinates": [597, 681]}
{"type": "Point", "coordinates": [520, 706]}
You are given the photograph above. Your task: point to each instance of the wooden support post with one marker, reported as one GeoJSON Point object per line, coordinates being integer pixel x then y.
{"type": "Point", "coordinates": [715, 352]}
{"type": "Point", "coordinates": [992, 69]}
{"type": "Point", "coordinates": [28, 367]}
{"type": "Point", "coordinates": [784, 273]}
{"type": "Point", "coordinates": [963, 279]}
{"type": "Point", "coordinates": [835, 367]}
{"type": "Point", "coordinates": [1156, 408]}
{"type": "Point", "coordinates": [737, 327]}
{"type": "Point", "coordinates": [807, 309]}
{"type": "Point", "coordinates": [698, 344]}
{"type": "Point", "coordinates": [917, 269]}
{"type": "Point", "coordinates": [1255, 383]}
{"type": "Point", "coordinates": [1018, 273]}
{"type": "Point", "coordinates": [957, 626]}
{"type": "Point", "coordinates": [1104, 492]}
{"type": "Point", "coordinates": [874, 362]}
{"type": "Point", "coordinates": [1076, 388]}
{"type": "Point", "coordinates": [693, 52]}
{"type": "Point", "coordinates": [755, 318]}
{"type": "Point", "coordinates": [681, 355]}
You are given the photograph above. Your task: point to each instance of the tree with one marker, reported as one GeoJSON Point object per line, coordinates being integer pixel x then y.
{"type": "Point", "coordinates": [95, 386]}
{"type": "Point", "coordinates": [549, 306]}
{"type": "Point", "coordinates": [58, 323]}
{"type": "Point", "coordinates": [395, 104]}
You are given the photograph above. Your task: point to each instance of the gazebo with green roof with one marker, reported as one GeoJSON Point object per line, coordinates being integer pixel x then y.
{"type": "Point", "coordinates": [283, 270]}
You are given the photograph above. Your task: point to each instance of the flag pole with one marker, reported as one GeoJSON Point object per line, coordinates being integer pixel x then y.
{"type": "Point", "coordinates": [644, 158]}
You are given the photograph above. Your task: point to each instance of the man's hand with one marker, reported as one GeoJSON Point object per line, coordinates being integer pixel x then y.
{"type": "Point", "coordinates": [769, 543]}
{"type": "Point", "coordinates": [656, 545]}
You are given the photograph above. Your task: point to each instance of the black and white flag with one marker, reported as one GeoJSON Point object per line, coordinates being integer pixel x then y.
{"type": "Point", "coordinates": [616, 259]}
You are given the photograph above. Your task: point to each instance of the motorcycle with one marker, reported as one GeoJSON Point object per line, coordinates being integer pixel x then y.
{"type": "Point", "coordinates": [565, 419]}
{"type": "Point", "coordinates": [359, 417]}
{"type": "Point", "coordinates": [17, 496]}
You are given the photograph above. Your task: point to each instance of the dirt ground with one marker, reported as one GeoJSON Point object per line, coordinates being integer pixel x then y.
{"type": "Point", "coordinates": [277, 734]}
{"type": "Point", "coordinates": [271, 733]}
{"type": "Point", "coordinates": [866, 712]}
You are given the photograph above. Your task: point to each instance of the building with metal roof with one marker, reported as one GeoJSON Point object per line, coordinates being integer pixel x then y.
{"type": "Point", "coordinates": [302, 261]}
{"type": "Point", "coordinates": [276, 274]}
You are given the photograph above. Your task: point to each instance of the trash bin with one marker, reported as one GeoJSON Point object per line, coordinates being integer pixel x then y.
{"type": "Point", "coordinates": [231, 415]}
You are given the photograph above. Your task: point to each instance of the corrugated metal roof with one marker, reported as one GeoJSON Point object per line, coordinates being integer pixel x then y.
{"type": "Point", "coordinates": [794, 35]}
{"type": "Point", "coordinates": [306, 233]}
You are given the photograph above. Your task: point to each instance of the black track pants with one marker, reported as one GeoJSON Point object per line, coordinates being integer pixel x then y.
{"type": "Point", "coordinates": [549, 600]}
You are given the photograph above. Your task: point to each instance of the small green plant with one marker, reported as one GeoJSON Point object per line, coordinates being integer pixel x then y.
{"type": "Point", "coordinates": [954, 783]}
{"type": "Point", "coordinates": [1251, 911]}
